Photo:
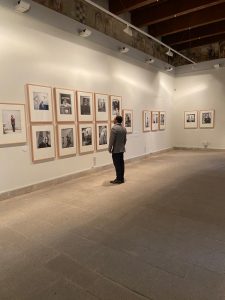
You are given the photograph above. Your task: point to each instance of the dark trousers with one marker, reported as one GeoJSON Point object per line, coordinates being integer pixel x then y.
{"type": "Point", "coordinates": [118, 162]}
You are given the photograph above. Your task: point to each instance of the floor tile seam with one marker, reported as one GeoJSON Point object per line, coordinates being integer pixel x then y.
{"type": "Point", "coordinates": [204, 269]}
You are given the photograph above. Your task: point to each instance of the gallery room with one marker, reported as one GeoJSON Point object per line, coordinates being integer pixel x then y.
{"type": "Point", "coordinates": [67, 69]}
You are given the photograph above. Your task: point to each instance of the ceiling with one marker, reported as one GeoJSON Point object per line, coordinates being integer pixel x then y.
{"type": "Point", "coordinates": [195, 28]}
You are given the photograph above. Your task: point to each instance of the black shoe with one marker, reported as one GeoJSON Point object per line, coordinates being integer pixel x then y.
{"type": "Point", "coordinates": [117, 181]}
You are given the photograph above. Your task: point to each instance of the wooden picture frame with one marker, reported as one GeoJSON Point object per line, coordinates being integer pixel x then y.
{"type": "Point", "coordinates": [66, 134]}
{"type": "Point", "coordinates": [206, 118]}
{"type": "Point", "coordinates": [12, 124]}
{"type": "Point", "coordinates": [154, 120]}
{"type": "Point", "coordinates": [191, 119]}
{"type": "Point", "coordinates": [101, 107]}
{"type": "Point", "coordinates": [146, 121]}
{"type": "Point", "coordinates": [115, 106]}
{"type": "Point", "coordinates": [86, 138]}
{"type": "Point", "coordinates": [102, 136]}
{"type": "Point", "coordinates": [162, 120]}
{"type": "Point", "coordinates": [40, 103]}
{"type": "Point", "coordinates": [65, 105]}
{"type": "Point", "coordinates": [43, 142]}
{"type": "Point", "coordinates": [128, 120]}
{"type": "Point", "coordinates": [85, 106]}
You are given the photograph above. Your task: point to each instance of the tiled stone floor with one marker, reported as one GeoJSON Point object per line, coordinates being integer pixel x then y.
{"type": "Point", "coordinates": [159, 236]}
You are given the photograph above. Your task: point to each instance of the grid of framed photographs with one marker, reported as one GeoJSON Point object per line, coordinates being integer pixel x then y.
{"type": "Point", "coordinates": [153, 120]}
{"type": "Point", "coordinates": [203, 119]}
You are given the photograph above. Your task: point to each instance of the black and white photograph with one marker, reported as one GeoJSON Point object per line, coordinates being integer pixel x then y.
{"type": "Point", "coordinates": [102, 135]}
{"type": "Point", "coordinates": [116, 106]}
{"type": "Point", "coordinates": [12, 122]}
{"type": "Point", "coordinates": [43, 142]}
{"type": "Point", "coordinates": [85, 106]}
{"type": "Point", "coordinates": [162, 120]}
{"type": "Point", "coordinates": [128, 120]}
{"type": "Point", "coordinates": [86, 138]}
{"type": "Point", "coordinates": [101, 107]}
{"type": "Point", "coordinates": [206, 118]}
{"type": "Point", "coordinates": [66, 139]}
{"type": "Point", "coordinates": [190, 119]}
{"type": "Point", "coordinates": [146, 120]}
{"type": "Point", "coordinates": [155, 121]}
{"type": "Point", "coordinates": [65, 105]}
{"type": "Point", "coordinates": [40, 103]}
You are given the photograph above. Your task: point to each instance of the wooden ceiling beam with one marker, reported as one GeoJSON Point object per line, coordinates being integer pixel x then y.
{"type": "Point", "coordinates": [166, 10]}
{"type": "Point", "coordinates": [200, 42]}
{"type": "Point", "coordinates": [194, 34]}
{"type": "Point", "coordinates": [192, 20]}
{"type": "Point", "coordinates": [121, 6]}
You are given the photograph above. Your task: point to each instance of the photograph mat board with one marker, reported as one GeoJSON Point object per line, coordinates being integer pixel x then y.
{"type": "Point", "coordinates": [86, 137]}
{"type": "Point", "coordinates": [85, 106]}
{"type": "Point", "coordinates": [66, 139]}
{"type": "Point", "coordinates": [65, 105]}
{"type": "Point", "coordinates": [115, 106]}
{"type": "Point", "coordinates": [102, 136]}
{"type": "Point", "coordinates": [101, 107]}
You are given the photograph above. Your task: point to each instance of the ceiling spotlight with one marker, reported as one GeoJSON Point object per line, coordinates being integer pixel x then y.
{"type": "Point", "coordinates": [128, 30]}
{"type": "Point", "coordinates": [149, 61]}
{"type": "Point", "coordinates": [169, 68]}
{"type": "Point", "coordinates": [85, 32]}
{"type": "Point", "coordinates": [169, 53]}
{"type": "Point", "coordinates": [22, 6]}
{"type": "Point", "coordinates": [124, 49]}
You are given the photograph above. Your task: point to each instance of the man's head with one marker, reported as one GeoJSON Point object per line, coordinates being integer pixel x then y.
{"type": "Point", "coordinates": [118, 119]}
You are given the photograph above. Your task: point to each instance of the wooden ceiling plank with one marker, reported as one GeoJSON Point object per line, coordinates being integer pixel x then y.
{"type": "Point", "coordinates": [166, 10]}
{"type": "Point", "coordinates": [199, 18]}
{"type": "Point", "coordinates": [121, 6]}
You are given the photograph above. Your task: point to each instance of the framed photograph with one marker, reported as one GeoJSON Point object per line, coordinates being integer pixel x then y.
{"type": "Point", "coordinates": [40, 103]}
{"type": "Point", "coordinates": [146, 120]}
{"type": "Point", "coordinates": [155, 121]}
{"type": "Point", "coordinates": [102, 136]}
{"type": "Point", "coordinates": [190, 119]}
{"type": "Point", "coordinates": [206, 118]}
{"type": "Point", "coordinates": [12, 123]}
{"type": "Point", "coordinates": [65, 105]}
{"type": "Point", "coordinates": [128, 120]}
{"type": "Point", "coordinates": [66, 139]}
{"type": "Point", "coordinates": [86, 138]}
{"type": "Point", "coordinates": [85, 106]}
{"type": "Point", "coordinates": [101, 107]}
{"type": "Point", "coordinates": [115, 106]}
{"type": "Point", "coordinates": [162, 120]}
{"type": "Point", "coordinates": [43, 143]}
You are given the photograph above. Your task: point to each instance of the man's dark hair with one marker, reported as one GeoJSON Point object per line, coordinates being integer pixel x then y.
{"type": "Point", "coordinates": [119, 119]}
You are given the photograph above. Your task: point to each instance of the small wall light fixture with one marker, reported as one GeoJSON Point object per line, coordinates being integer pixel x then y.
{"type": "Point", "coordinates": [85, 32]}
{"type": "Point", "coordinates": [169, 53]}
{"type": "Point", "coordinates": [124, 49]}
{"type": "Point", "coordinates": [128, 30]}
{"type": "Point", "coordinates": [149, 61]}
{"type": "Point", "coordinates": [22, 6]}
{"type": "Point", "coordinates": [169, 68]}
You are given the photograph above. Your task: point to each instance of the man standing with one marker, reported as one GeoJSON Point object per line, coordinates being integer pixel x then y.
{"type": "Point", "coordinates": [117, 141]}
{"type": "Point", "coordinates": [13, 123]}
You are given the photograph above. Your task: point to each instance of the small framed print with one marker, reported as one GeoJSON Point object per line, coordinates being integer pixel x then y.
{"type": "Point", "coordinates": [146, 120]}
{"type": "Point", "coordinates": [85, 106]}
{"type": "Point", "coordinates": [155, 121]}
{"type": "Point", "coordinates": [101, 107]}
{"type": "Point", "coordinates": [102, 136]}
{"type": "Point", "coordinates": [40, 103]}
{"type": "Point", "coordinates": [190, 119]}
{"type": "Point", "coordinates": [128, 120]}
{"type": "Point", "coordinates": [162, 120]}
{"type": "Point", "coordinates": [66, 139]}
{"type": "Point", "coordinates": [86, 138]}
{"type": "Point", "coordinates": [12, 124]}
{"type": "Point", "coordinates": [115, 106]}
{"type": "Point", "coordinates": [206, 118]}
{"type": "Point", "coordinates": [43, 142]}
{"type": "Point", "coordinates": [65, 105]}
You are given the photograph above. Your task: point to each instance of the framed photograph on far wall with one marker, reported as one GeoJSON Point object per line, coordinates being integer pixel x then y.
{"type": "Point", "coordinates": [190, 119]}
{"type": "Point", "coordinates": [12, 124]}
{"type": "Point", "coordinates": [155, 121]}
{"type": "Point", "coordinates": [101, 107]}
{"type": "Point", "coordinates": [65, 105]}
{"type": "Point", "coordinates": [162, 120]}
{"type": "Point", "coordinates": [128, 120]}
{"type": "Point", "coordinates": [66, 139]}
{"type": "Point", "coordinates": [146, 120]}
{"type": "Point", "coordinates": [40, 103]}
{"type": "Point", "coordinates": [102, 136]}
{"type": "Point", "coordinates": [206, 118]}
{"type": "Point", "coordinates": [86, 138]}
{"type": "Point", "coordinates": [43, 142]}
{"type": "Point", "coordinates": [85, 107]}
{"type": "Point", "coordinates": [115, 106]}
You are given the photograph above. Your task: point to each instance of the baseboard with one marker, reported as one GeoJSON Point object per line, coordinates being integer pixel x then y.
{"type": "Point", "coordinates": [52, 182]}
{"type": "Point", "coordinates": [198, 149]}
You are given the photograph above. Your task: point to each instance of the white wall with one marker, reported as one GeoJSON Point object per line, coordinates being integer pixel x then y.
{"type": "Point", "coordinates": [31, 51]}
{"type": "Point", "coordinates": [200, 91]}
